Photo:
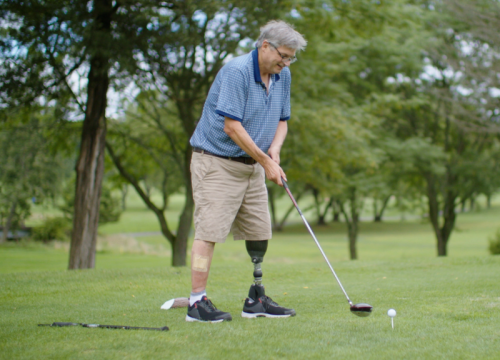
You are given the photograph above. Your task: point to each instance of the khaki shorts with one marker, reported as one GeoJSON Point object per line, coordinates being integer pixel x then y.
{"type": "Point", "coordinates": [229, 196]}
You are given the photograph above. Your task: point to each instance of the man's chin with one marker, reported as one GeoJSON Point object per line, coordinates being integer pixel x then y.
{"type": "Point", "coordinates": [277, 69]}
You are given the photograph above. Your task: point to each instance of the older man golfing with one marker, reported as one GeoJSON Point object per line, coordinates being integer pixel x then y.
{"type": "Point", "coordinates": [236, 144]}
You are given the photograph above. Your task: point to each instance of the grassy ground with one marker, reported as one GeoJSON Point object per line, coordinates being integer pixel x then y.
{"type": "Point", "coordinates": [447, 307]}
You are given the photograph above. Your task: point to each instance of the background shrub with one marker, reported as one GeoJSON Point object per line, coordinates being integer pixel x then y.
{"type": "Point", "coordinates": [495, 244]}
{"type": "Point", "coordinates": [57, 228]}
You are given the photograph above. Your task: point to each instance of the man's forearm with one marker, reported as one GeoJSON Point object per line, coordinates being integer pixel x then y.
{"type": "Point", "coordinates": [279, 137]}
{"type": "Point", "coordinates": [240, 136]}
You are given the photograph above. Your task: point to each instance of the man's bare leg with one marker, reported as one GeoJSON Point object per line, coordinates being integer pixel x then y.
{"type": "Point", "coordinates": [201, 259]}
{"type": "Point", "coordinates": [200, 307]}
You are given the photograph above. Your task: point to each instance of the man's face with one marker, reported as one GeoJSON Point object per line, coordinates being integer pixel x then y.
{"type": "Point", "coordinates": [275, 59]}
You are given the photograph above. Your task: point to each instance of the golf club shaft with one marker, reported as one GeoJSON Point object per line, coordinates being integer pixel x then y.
{"type": "Point", "coordinates": [285, 185]}
{"type": "Point", "coordinates": [124, 327]}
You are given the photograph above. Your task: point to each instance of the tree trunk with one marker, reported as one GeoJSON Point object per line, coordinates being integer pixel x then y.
{"type": "Point", "coordinates": [353, 236]}
{"type": "Point", "coordinates": [179, 248]}
{"type": "Point", "coordinates": [352, 223]}
{"type": "Point", "coordinates": [450, 216]}
{"type": "Point", "coordinates": [3, 239]}
{"type": "Point", "coordinates": [317, 205]}
{"type": "Point", "coordinates": [124, 196]}
{"type": "Point", "coordinates": [322, 216]}
{"type": "Point", "coordinates": [8, 223]}
{"type": "Point", "coordinates": [443, 232]}
{"type": "Point", "coordinates": [90, 165]}
{"type": "Point", "coordinates": [336, 210]}
{"type": "Point", "coordinates": [336, 215]}
{"type": "Point", "coordinates": [379, 214]}
{"type": "Point", "coordinates": [353, 229]}
{"type": "Point", "coordinates": [147, 187]}
{"type": "Point", "coordinates": [488, 200]}
{"type": "Point", "coordinates": [432, 199]}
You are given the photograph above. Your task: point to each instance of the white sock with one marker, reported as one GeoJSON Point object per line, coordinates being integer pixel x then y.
{"type": "Point", "coordinates": [194, 297]}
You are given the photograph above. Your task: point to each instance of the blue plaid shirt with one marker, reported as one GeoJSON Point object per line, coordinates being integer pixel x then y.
{"type": "Point", "coordinates": [239, 93]}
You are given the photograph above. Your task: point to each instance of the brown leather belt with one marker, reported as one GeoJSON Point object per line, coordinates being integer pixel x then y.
{"type": "Point", "coordinates": [241, 159]}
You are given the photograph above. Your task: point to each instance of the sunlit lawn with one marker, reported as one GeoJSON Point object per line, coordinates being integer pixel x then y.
{"type": "Point", "coordinates": [447, 307]}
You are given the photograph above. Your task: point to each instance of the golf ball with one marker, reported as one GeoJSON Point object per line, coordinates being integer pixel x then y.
{"type": "Point", "coordinates": [391, 312]}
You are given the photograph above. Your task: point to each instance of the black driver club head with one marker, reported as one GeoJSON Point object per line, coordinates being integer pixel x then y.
{"type": "Point", "coordinates": [361, 310]}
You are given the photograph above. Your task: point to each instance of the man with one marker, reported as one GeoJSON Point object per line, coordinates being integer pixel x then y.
{"type": "Point", "coordinates": [236, 144]}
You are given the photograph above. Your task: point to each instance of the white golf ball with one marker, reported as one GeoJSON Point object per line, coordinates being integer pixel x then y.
{"type": "Point", "coordinates": [391, 312]}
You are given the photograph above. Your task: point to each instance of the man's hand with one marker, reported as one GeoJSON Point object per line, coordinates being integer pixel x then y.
{"type": "Point", "coordinates": [274, 172]}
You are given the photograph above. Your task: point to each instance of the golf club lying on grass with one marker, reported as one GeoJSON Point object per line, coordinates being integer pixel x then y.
{"type": "Point", "coordinates": [61, 324]}
{"type": "Point", "coordinates": [362, 310]}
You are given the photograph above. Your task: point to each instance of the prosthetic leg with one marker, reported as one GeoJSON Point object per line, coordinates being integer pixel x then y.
{"type": "Point", "coordinates": [256, 250]}
{"type": "Point", "coordinates": [258, 304]}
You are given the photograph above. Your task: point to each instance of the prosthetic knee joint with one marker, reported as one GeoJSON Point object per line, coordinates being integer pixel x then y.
{"type": "Point", "coordinates": [256, 250]}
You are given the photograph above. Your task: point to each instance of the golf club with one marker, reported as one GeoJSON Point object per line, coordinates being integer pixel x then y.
{"type": "Point", "coordinates": [62, 324]}
{"type": "Point", "coordinates": [361, 309]}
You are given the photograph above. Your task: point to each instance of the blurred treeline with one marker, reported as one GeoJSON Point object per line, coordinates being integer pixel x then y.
{"type": "Point", "coordinates": [391, 99]}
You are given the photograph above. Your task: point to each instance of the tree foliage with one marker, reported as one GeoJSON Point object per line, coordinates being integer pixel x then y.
{"type": "Point", "coordinates": [391, 99]}
{"type": "Point", "coordinates": [343, 73]}
{"type": "Point", "coordinates": [29, 170]}
{"type": "Point", "coordinates": [449, 105]}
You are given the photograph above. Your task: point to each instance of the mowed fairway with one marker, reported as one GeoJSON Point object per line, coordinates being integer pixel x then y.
{"type": "Point", "coordinates": [447, 308]}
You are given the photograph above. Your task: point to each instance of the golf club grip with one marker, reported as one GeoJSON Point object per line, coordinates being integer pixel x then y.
{"type": "Point", "coordinates": [285, 185]}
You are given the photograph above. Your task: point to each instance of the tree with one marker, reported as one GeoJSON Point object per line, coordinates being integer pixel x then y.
{"type": "Point", "coordinates": [344, 71]}
{"type": "Point", "coordinates": [71, 53]}
{"type": "Point", "coordinates": [447, 105]}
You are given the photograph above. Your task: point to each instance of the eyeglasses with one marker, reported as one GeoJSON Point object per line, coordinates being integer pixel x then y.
{"type": "Point", "coordinates": [290, 59]}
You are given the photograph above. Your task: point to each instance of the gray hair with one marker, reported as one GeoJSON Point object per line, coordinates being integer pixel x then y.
{"type": "Point", "coordinates": [280, 33]}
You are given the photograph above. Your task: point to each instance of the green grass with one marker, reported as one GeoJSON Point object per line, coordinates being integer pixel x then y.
{"type": "Point", "coordinates": [37, 258]}
{"type": "Point", "coordinates": [447, 307]}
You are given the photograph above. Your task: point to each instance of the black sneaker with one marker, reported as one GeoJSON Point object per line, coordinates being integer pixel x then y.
{"type": "Point", "coordinates": [203, 310]}
{"type": "Point", "coordinates": [260, 305]}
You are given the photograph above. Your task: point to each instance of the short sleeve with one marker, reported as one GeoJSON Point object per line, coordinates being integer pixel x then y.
{"type": "Point", "coordinates": [233, 94]}
{"type": "Point", "coordinates": [285, 110]}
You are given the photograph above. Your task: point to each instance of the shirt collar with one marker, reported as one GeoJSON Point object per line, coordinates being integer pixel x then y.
{"type": "Point", "coordinates": [256, 69]}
